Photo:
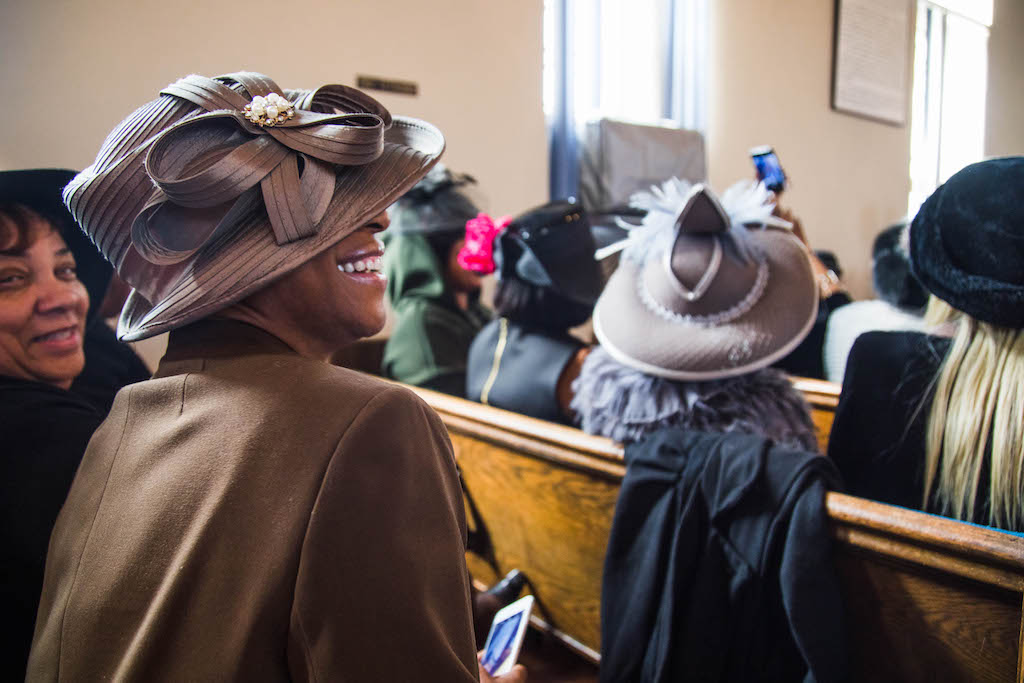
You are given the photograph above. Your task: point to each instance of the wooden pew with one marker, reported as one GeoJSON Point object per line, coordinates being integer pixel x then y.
{"type": "Point", "coordinates": [822, 397]}
{"type": "Point", "coordinates": [366, 355]}
{"type": "Point", "coordinates": [927, 598]}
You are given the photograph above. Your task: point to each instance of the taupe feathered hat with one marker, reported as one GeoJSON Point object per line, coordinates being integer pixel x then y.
{"type": "Point", "coordinates": [222, 185]}
{"type": "Point", "coordinates": [707, 289]}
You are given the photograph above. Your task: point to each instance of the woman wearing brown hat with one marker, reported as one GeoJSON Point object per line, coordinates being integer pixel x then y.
{"type": "Point", "coordinates": [936, 421]}
{"type": "Point", "coordinates": [707, 294]}
{"type": "Point", "coordinates": [252, 512]}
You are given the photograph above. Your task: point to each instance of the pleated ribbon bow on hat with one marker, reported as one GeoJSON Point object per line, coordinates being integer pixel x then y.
{"type": "Point", "coordinates": [250, 182]}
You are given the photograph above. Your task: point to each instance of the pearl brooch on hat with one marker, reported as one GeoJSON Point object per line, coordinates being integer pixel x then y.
{"type": "Point", "coordinates": [269, 110]}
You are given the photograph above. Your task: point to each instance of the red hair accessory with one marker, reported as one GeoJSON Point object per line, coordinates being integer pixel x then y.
{"type": "Point", "coordinates": [477, 254]}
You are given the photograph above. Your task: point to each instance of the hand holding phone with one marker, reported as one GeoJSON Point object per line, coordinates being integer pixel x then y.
{"type": "Point", "coordinates": [516, 675]}
{"type": "Point", "coordinates": [768, 168]}
{"type": "Point", "coordinates": [506, 637]}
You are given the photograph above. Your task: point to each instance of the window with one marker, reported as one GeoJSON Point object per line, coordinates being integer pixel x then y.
{"type": "Point", "coordinates": [638, 60]}
{"type": "Point", "coordinates": [950, 76]}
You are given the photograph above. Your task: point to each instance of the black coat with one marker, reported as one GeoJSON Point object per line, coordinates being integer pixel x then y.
{"type": "Point", "coordinates": [43, 433]}
{"type": "Point", "coordinates": [109, 365]}
{"type": "Point", "coordinates": [719, 564]}
{"type": "Point", "coordinates": [878, 436]}
{"type": "Point", "coordinates": [518, 367]}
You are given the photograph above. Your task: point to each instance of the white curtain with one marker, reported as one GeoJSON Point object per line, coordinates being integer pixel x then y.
{"type": "Point", "coordinates": [639, 60]}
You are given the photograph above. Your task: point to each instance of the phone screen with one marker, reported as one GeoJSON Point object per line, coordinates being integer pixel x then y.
{"type": "Point", "coordinates": [769, 170]}
{"type": "Point", "coordinates": [499, 645]}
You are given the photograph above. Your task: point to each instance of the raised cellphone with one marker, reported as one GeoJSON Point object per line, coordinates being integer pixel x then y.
{"type": "Point", "coordinates": [768, 168]}
{"type": "Point", "coordinates": [506, 636]}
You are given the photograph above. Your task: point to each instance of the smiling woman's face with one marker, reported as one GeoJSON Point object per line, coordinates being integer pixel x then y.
{"type": "Point", "coordinates": [42, 305]}
{"type": "Point", "coordinates": [331, 300]}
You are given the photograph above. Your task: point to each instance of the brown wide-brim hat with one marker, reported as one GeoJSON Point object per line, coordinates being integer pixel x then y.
{"type": "Point", "coordinates": [222, 185]}
{"type": "Point", "coordinates": [712, 300]}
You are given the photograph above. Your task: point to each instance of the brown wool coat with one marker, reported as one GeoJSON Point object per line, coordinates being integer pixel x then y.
{"type": "Point", "coordinates": [252, 515]}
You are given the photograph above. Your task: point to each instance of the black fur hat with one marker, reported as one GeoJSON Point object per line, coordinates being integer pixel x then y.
{"type": "Point", "coordinates": [967, 241]}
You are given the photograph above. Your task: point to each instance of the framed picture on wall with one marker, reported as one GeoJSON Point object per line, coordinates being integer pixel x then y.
{"type": "Point", "coordinates": [871, 59]}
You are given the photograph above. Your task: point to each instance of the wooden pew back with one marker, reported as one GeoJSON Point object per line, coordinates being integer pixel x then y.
{"type": "Point", "coordinates": [822, 397]}
{"type": "Point", "coordinates": [927, 598]}
{"type": "Point", "coordinates": [366, 355]}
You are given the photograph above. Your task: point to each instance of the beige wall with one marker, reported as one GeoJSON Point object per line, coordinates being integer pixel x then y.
{"type": "Point", "coordinates": [770, 80]}
{"type": "Point", "coordinates": [770, 83]}
{"type": "Point", "coordinates": [1004, 130]}
{"type": "Point", "coordinates": [74, 69]}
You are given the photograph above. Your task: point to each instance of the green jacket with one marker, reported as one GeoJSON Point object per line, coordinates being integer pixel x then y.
{"type": "Point", "coordinates": [431, 337]}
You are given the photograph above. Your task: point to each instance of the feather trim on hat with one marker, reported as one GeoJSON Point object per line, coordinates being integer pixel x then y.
{"type": "Point", "coordinates": [747, 203]}
{"type": "Point", "coordinates": [657, 230]}
{"type": "Point", "coordinates": [624, 404]}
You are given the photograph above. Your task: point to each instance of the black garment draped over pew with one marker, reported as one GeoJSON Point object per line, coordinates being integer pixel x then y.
{"type": "Point", "coordinates": [719, 565]}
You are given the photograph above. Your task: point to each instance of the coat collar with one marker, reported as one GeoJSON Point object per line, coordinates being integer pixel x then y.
{"type": "Point", "coordinates": [189, 347]}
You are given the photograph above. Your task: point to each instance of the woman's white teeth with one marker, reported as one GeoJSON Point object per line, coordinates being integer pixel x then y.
{"type": "Point", "coordinates": [59, 335]}
{"type": "Point", "coordinates": [370, 264]}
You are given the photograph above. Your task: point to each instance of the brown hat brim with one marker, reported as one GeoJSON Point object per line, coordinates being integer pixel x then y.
{"type": "Point", "coordinates": [247, 258]}
{"type": "Point", "coordinates": [654, 344]}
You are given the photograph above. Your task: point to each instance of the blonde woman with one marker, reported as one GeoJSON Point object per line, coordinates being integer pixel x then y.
{"type": "Point", "coordinates": [935, 421]}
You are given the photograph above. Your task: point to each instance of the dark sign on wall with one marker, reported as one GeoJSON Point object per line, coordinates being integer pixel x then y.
{"type": "Point", "coordinates": [871, 64]}
{"type": "Point", "coordinates": [387, 85]}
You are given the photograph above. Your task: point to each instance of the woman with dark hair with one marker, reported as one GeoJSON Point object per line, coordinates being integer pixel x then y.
{"type": "Point", "coordinates": [44, 427]}
{"type": "Point", "coordinates": [435, 299]}
{"type": "Point", "coordinates": [936, 421]}
{"type": "Point", "coordinates": [900, 304]}
{"type": "Point", "coordinates": [548, 281]}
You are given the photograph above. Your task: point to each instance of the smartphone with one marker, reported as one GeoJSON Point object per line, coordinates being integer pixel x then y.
{"type": "Point", "coordinates": [506, 637]}
{"type": "Point", "coordinates": [769, 170]}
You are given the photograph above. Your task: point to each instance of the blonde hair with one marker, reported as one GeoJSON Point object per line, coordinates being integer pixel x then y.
{"type": "Point", "coordinates": [977, 412]}
{"type": "Point", "coordinates": [939, 314]}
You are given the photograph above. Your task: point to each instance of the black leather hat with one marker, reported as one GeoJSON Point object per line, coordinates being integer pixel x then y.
{"type": "Point", "coordinates": [967, 241]}
{"type": "Point", "coordinates": [551, 246]}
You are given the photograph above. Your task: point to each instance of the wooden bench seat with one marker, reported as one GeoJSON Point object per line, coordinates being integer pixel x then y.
{"type": "Point", "coordinates": [928, 598]}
